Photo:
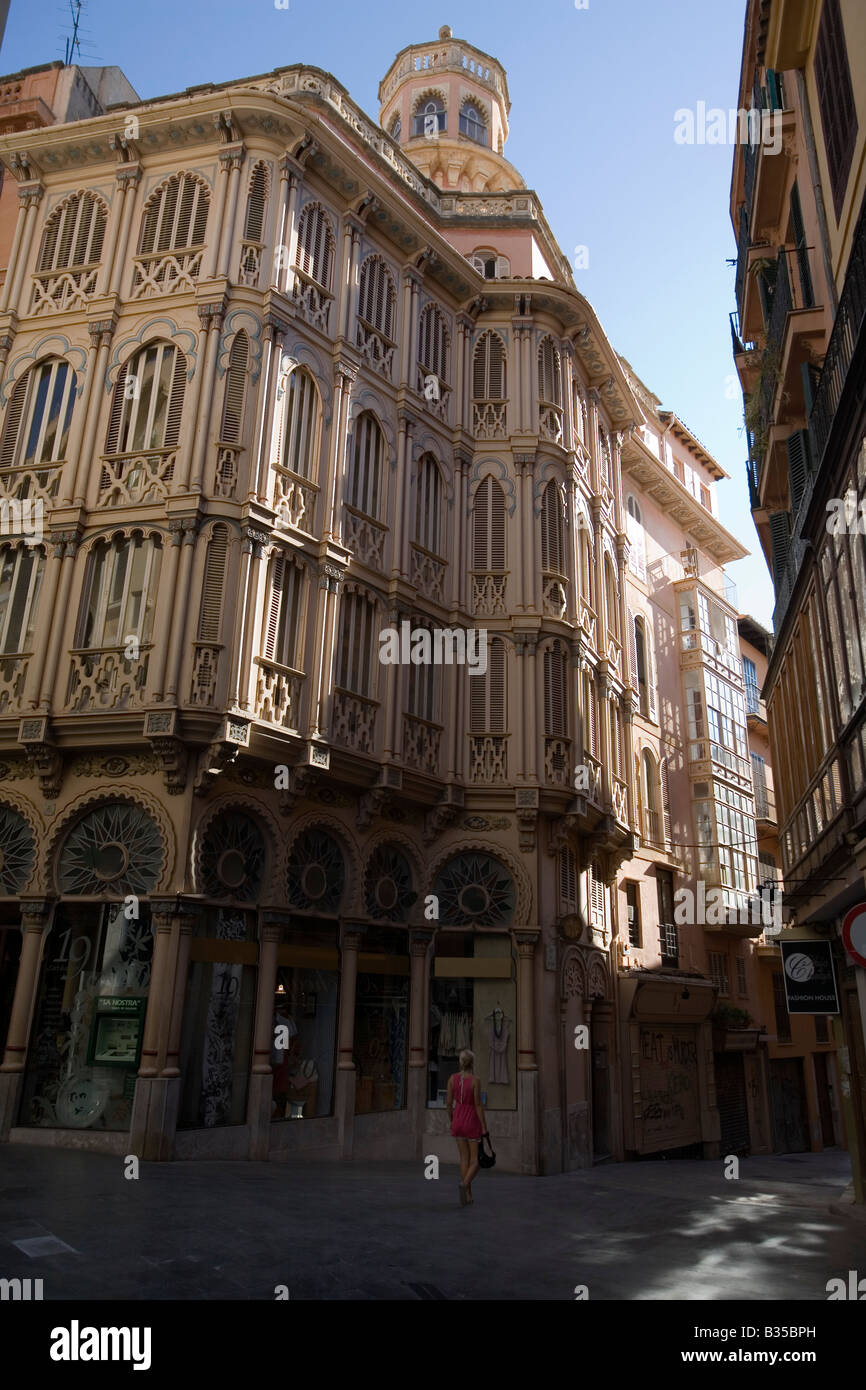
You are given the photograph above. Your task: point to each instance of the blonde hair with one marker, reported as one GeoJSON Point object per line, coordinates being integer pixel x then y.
{"type": "Point", "coordinates": [466, 1059]}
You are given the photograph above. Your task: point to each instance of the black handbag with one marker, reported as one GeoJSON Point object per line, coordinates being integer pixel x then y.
{"type": "Point", "coordinates": [486, 1160]}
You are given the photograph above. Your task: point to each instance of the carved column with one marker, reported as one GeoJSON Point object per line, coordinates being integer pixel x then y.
{"type": "Point", "coordinates": [30, 195]}
{"type": "Point", "coordinates": [127, 179]}
{"type": "Point", "coordinates": [344, 1100]}
{"type": "Point", "coordinates": [198, 454]}
{"type": "Point", "coordinates": [419, 943]}
{"type": "Point", "coordinates": [91, 387]}
{"type": "Point", "coordinates": [165, 608]}
{"type": "Point", "coordinates": [462, 373]}
{"type": "Point", "coordinates": [272, 370]}
{"type": "Point", "coordinates": [406, 425]}
{"type": "Point", "coordinates": [352, 233]}
{"type": "Point", "coordinates": [530, 705]}
{"type": "Point", "coordinates": [50, 581]}
{"type": "Point", "coordinates": [603, 694]}
{"type": "Point", "coordinates": [260, 1103]}
{"type": "Point", "coordinates": [15, 252]}
{"type": "Point", "coordinates": [83, 467]}
{"type": "Point", "coordinates": [259, 539]}
{"type": "Point", "coordinates": [216, 212]}
{"type": "Point", "coordinates": [627, 708]}
{"type": "Point", "coordinates": [65, 543]}
{"type": "Point", "coordinates": [592, 443]}
{"type": "Point", "coordinates": [527, 1065]}
{"type": "Point", "coordinates": [330, 577]}
{"type": "Point", "coordinates": [404, 494]}
{"type": "Point", "coordinates": [344, 378]}
{"type": "Point", "coordinates": [184, 602]}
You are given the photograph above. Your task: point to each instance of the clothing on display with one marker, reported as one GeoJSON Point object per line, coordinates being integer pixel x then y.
{"type": "Point", "coordinates": [455, 1033]}
{"type": "Point", "coordinates": [498, 1035]}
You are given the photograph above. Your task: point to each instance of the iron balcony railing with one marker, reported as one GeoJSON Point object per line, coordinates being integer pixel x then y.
{"type": "Point", "coordinates": [742, 255]}
{"type": "Point", "coordinates": [847, 327]}
{"type": "Point", "coordinates": [753, 473]}
{"type": "Point", "coordinates": [781, 305]}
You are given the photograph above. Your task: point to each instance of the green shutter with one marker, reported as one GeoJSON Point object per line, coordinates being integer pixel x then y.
{"type": "Point", "coordinates": [799, 466]}
{"type": "Point", "coordinates": [780, 535]}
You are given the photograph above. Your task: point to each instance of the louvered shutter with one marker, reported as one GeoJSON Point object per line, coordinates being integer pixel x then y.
{"type": "Point", "coordinates": [175, 409]}
{"type": "Point", "coordinates": [480, 526]}
{"type": "Point", "coordinates": [591, 726]}
{"type": "Point", "coordinates": [503, 268]}
{"type": "Point", "coordinates": [555, 724]}
{"type": "Point", "coordinates": [49, 243]}
{"type": "Point", "coordinates": [497, 686]}
{"type": "Point", "coordinates": [278, 565]}
{"type": "Point", "coordinates": [632, 630]}
{"type": "Point", "coordinates": [801, 246]}
{"type": "Point", "coordinates": [650, 669]}
{"type": "Point", "coordinates": [255, 218]}
{"type": "Point", "coordinates": [165, 237]}
{"type": "Point", "coordinates": [497, 527]}
{"type": "Point", "coordinates": [551, 549]}
{"type": "Point", "coordinates": [111, 442]}
{"type": "Point", "coordinates": [70, 216]}
{"type": "Point", "coordinates": [797, 445]}
{"type": "Point", "coordinates": [213, 585]}
{"type": "Point", "coordinates": [479, 692]}
{"type": "Point", "coordinates": [150, 222]}
{"type": "Point", "coordinates": [780, 536]}
{"type": "Point", "coordinates": [666, 800]}
{"type": "Point", "coordinates": [479, 369]}
{"type": "Point", "coordinates": [188, 192]}
{"type": "Point", "coordinates": [12, 426]}
{"type": "Point", "coordinates": [233, 404]}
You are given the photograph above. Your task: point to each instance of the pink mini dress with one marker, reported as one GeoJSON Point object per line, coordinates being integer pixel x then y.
{"type": "Point", "coordinates": [465, 1124]}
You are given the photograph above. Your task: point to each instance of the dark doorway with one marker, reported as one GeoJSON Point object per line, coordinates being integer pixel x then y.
{"type": "Point", "coordinates": [825, 1108]}
{"type": "Point", "coordinates": [731, 1100]}
{"type": "Point", "coordinates": [790, 1134]}
{"type": "Point", "coordinates": [10, 953]}
{"type": "Point", "coordinates": [600, 1082]}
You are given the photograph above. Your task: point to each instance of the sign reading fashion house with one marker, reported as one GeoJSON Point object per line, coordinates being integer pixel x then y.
{"type": "Point", "coordinates": [810, 981]}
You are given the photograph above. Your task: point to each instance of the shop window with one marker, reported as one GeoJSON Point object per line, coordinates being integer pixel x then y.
{"type": "Point", "coordinates": [305, 1030]}
{"type": "Point", "coordinates": [89, 1019]}
{"type": "Point", "coordinates": [381, 1022]}
{"type": "Point", "coordinates": [216, 1048]}
{"type": "Point", "coordinates": [473, 1004]}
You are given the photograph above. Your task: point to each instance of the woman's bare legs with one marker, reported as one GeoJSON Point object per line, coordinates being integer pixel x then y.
{"type": "Point", "coordinates": [473, 1165]}
{"type": "Point", "coordinates": [463, 1149]}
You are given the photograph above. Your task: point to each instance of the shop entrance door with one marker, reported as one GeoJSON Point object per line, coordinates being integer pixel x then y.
{"type": "Point", "coordinates": [731, 1100]}
{"type": "Point", "coordinates": [10, 953]}
{"type": "Point", "coordinates": [600, 1082]}
{"type": "Point", "coordinates": [789, 1106]}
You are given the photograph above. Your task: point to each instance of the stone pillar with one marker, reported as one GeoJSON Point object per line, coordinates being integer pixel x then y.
{"type": "Point", "coordinates": [215, 218]}
{"type": "Point", "coordinates": [185, 609]}
{"type": "Point", "coordinates": [35, 922]}
{"type": "Point", "coordinates": [251, 617]}
{"type": "Point", "coordinates": [196, 458]}
{"type": "Point", "coordinates": [345, 376]}
{"type": "Point", "coordinates": [260, 1103]}
{"type": "Point", "coordinates": [344, 1097]}
{"type": "Point", "coordinates": [462, 367]}
{"type": "Point", "coordinates": [352, 233]}
{"type": "Point", "coordinates": [83, 476]}
{"type": "Point", "coordinates": [30, 195]}
{"type": "Point", "coordinates": [330, 578]}
{"type": "Point", "coordinates": [79, 418]}
{"type": "Point", "coordinates": [165, 607]}
{"type": "Point", "coordinates": [50, 582]}
{"type": "Point", "coordinates": [20, 221]}
{"type": "Point", "coordinates": [127, 179]}
{"type": "Point", "coordinates": [526, 523]}
{"type": "Point", "coordinates": [234, 157]}
{"type": "Point", "coordinates": [157, 1096]}
{"type": "Point", "coordinates": [527, 1065]}
{"type": "Point", "coordinates": [66, 542]}
{"type": "Point", "coordinates": [530, 706]}
{"type": "Point", "coordinates": [272, 378]}
{"type": "Point", "coordinates": [416, 1100]}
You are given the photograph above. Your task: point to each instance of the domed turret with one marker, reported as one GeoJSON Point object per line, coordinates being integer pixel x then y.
{"type": "Point", "coordinates": [447, 104]}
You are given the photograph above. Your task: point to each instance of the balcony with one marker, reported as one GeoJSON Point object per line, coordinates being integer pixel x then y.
{"type": "Point", "coordinates": [428, 574]}
{"type": "Point", "coordinates": [421, 741]}
{"type": "Point", "coordinates": [205, 666]}
{"type": "Point", "coordinates": [742, 257]}
{"type": "Point", "coordinates": [488, 593]}
{"type": "Point", "coordinates": [56, 290]}
{"type": "Point", "coordinates": [313, 304]}
{"type": "Point", "coordinates": [747, 356]}
{"type": "Point", "coordinates": [488, 420]}
{"type": "Point", "coordinates": [557, 761]}
{"type": "Point", "coordinates": [717, 656]}
{"type": "Point", "coordinates": [353, 721]}
{"type": "Point", "coordinates": [36, 483]}
{"type": "Point", "coordinates": [375, 349]}
{"type": "Point", "coordinates": [554, 594]}
{"type": "Point", "coordinates": [294, 500]}
{"type": "Point", "coordinates": [365, 538]}
{"type": "Point", "coordinates": [105, 679]}
{"type": "Point", "coordinates": [847, 329]}
{"type": "Point", "coordinates": [488, 759]}
{"type": "Point", "coordinates": [166, 273]}
{"type": "Point", "coordinates": [767, 206]}
{"type": "Point", "coordinates": [278, 694]}
{"type": "Point", "coordinates": [226, 470]}
{"type": "Point", "coordinates": [436, 393]}
{"type": "Point", "coordinates": [13, 675]}
{"type": "Point", "coordinates": [594, 790]}
{"type": "Point", "coordinates": [550, 422]}
{"type": "Point", "coordinates": [133, 479]}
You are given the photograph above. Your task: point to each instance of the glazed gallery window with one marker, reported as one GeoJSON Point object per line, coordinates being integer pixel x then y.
{"type": "Point", "coordinates": [472, 123]}
{"type": "Point", "coordinates": [429, 118]}
{"type": "Point", "coordinates": [120, 592]}
{"type": "Point", "coordinates": [473, 1001]}
{"type": "Point", "coordinates": [148, 401]}
{"type": "Point", "coordinates": [21, 569]}
{"type": "Point", "coordinates": [89, 1018]}
{"type": "Point", "coordinates": [381, 1022]}
{"type": "Point", "coordinates": [304, 1034]}
{"type": "Point", "coordinates": [39, 416]}
{"type": "Point", "coordinates": [216, 1048]}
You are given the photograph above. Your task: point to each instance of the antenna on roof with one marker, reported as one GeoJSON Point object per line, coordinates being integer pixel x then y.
{"type": "Point", "coordinates": [73, 42]}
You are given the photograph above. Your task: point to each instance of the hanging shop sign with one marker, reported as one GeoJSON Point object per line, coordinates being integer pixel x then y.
{"type": "Point", "coordinates": [116, 1032]}
{"type": "Point", "coordinates": [854, 934]}
{"type": "Point", "coordinates": [810, 980]}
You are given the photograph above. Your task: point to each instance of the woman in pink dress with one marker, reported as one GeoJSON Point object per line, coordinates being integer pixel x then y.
{"type": "Point", "coordinates": [468, 1124]}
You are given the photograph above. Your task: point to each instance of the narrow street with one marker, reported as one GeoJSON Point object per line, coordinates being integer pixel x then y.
{"type": "Point", "coordinates": [656, 1230]}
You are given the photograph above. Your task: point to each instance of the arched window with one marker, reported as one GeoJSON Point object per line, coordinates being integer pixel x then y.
{"type": "Point", "coordinates": [487, 693]}
{"type": "Point", "coordinates": [488, 368]}
{"type": "Point", "coordinates": [551, 530]}
{"type": "Point", "coordinates": [637, 548]}
{"type": "Point", "coordinates": [257, 197]}
{"type": "Point", "coordinates": [424, 683]}
{"type": "Point", "coordinates": [578, 405]}
{"type": "Point", "coordinates": [433, 342]}
{"type": "Point", "coordinates": [119, 592]}
{"type": "Point", "coordinates": [488, 527]}
{"type": "Point", "coordinates": [396, 129]}
{"type": "Point", "coordinates": [71, 243]}
{"type": "Point", "coordinates": [430, 118]}
{"type": "Point", "coordinates": [612, 600]}
{"type": "Point", "coordinates": [650, 798]}
{"type": "Point", "coordinates": [428, 505]}
{"type": "Point", "coordinates": [302, 415]}
{"type": "Point", "coordinates": [21, 570]}
{"type": "Point", "coordinates": [364, 490]}
{"type": "Point", "coordinates": [556, 691]}
{"type": "Point", "coordinates": [213, 586]}
{"type": "Point", "coordinates": [585, 559]}
{"type": "Point", "coordinates": [472, 123]}
{"type": "Point", "coordinates": [549, 377]}
{"type": "Point", "coordinates": [233, 400]}
{"type": "Point", "coordinates": [148, 401]}
{"type": "Point", "coordinates": [175, 216]}
{"type": "Point", "coordinates": [643, 665]}
{"type": "Point", "coordinates": [315, 254]}
{"type": "Point", "coordinates": [355, 669]}
{"type": "Point", "coordinates": [281, 638]}
{"type": "Point", "coordinates": [491, 265]}
{"type": "Point", "coordinates": [377, 299]}
{"type": "Point", "coordinates": [604, 459]}
{"type": "Point", "coordinates": [38, 417]}
{"type": "Point", "coordinates": [590, 716]}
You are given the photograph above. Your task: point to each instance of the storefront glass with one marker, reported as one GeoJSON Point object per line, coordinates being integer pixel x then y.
{"type": "Point", "coordinates": [305, 1030]}
{"type": "Point", "coordinates": [86, 1038]}
{"type": "Point", "coordinates": [217, 1039]}
{"type": "Point", "coordinates": [473, 1001]}
{"type": "Point", "coordinates": [381, 1022]}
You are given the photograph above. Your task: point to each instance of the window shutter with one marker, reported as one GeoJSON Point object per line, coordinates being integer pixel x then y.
{"type": "Point", "coordinates": [70, 216]}
{"type": "Point", "coordinates": [165, 238]}
{"type": "Point", "coordinates": [480, 526]}
{"type": "Point", "coordinates": [278, 565]}
{"type": "Point", "coordinates": [497, 527]}
{"type": "Point", "coordinates": [799, 466]}
{"type": "Point", "coordinates": [590, 724]}
{"type": "Point", "coordinates": [650, 668]}
{"type": "Point", "coordinates": [488, 369]}
{"type": "Point", "coordinates": [666, 800]}
{"type": "Point", "coordinates": [503, 268]}
{"type": "Point", "coordinates": [255, 219]}
{"type": "Point", "coordinates": [116, 411]}
{"type": "Point", "coordinates": [233, 404]}
{"type": "Point", "coordinates": [175, 409]}
{"type": "Point", "coordinates": [801, 247]}
{"type": "Point", "coordinates": [780, 536]}
{"type": "Point", "coordinates": [632, 629]}
{"type": "Point", "coordinates": [497, 686]}
{"type": "Point", "coordinates": [49, 242]}
{"type": "Point", "coordinates": [213, 585]}
{"type": "Point", "coordinates": [13, 422]}
{"type": "Point", "coordinates": [479, 690]}
{"type": "Point", "coordinates": [189, 189]}
{"type": "Point", "coordinates": [150, 222]}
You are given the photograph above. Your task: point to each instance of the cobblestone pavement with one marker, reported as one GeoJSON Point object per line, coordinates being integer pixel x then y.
{"type": "Point", "coordinates": [229, 1230]}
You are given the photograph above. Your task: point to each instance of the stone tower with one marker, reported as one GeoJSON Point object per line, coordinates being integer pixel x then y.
{"type": "Point", "coordinates": [447, 104]}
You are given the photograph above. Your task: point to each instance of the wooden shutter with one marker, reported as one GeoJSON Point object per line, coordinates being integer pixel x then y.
{"type": "Point", "coordinates": [496, 657]}
{"type": "Point", "coordinates": [780, 536]}
{"type": "Point", "coordinates": [12, 427]}
{"type": "Point", "coordinates": [256, 200]}
{"type": "Point", "coordinates": [165, 237]}
{"type": "Point", "coordinates": [233, 404]}
{"type": "Point", "coordinates": [567, 876]}
{"type": "Point", "coordinates": [555, 692]}
{"type": "Point", "coordinates": [632, 632]}
{"type": "Point", "coordinates": [497, 526]}
{"type": "Point", "coordinates": [278, 565]}
{"type": "Point", "coordinates": [835, 99]}
{"type": "Point", "coordinates": [116, 411]}
{"type": "Point", "coordinates": [590, 720]}
{"type": "Point", "coordinates": [150, 222]}
{"type": "Point", "coordinates": [551, 538]}
{"type": "Point", "coordinates": [488, 369]}
{"type": "Point", "coordinates": [481, 527]}
{"type": "Point", "coordinates": [49, 241]}
{"type": "Point", "coordinates": [175, 408]}
{"type": "Point", "coordinates": [801, 247]}
{"type": "Point", "coordinates": [479, 687]}
{"type": "Point", "coordinates": [649, 657]}
{"type": "Point", "coordinates": [213, 585]}
{"type": "Point", "coordinates": [666, 799]}
{"type": "Point", "coordinates": [797, 445]}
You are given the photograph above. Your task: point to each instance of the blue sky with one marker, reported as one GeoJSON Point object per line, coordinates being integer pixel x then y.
{"type": "Point", "coordinates": [593, 95]}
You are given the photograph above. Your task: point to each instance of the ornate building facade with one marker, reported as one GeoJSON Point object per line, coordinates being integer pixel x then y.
{"type": "Point", "coordinates": [278, 382]}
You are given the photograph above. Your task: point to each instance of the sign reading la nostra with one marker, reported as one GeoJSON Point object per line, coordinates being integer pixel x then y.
{"type": "Point", "coordinates": [810, 980]}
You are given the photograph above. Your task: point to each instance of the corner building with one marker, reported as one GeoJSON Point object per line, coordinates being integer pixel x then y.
{"type": "Point", "coordinates": [280, 379]}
